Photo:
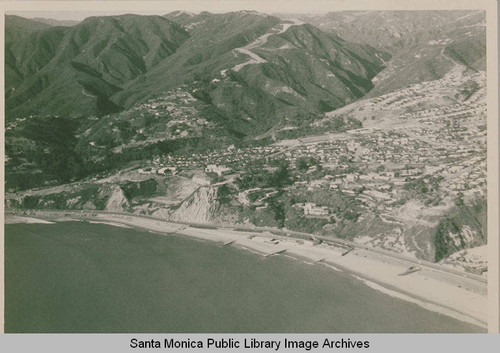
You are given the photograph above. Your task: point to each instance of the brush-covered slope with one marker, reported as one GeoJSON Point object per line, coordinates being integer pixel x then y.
{"type": "Point", "coordinates": [260, 70]}
{"type": "Point", "coordinates": [74, 71]}
{"type": "Point", "coordinates": [425, 45]}
{"type": "Point", "coordinates": [390, 30]}
{"type": "Point", "coordinates": [461, 43]}
{"type": "Point", "coordinates": [256, 69]}
{"type": "Point", "coordinates": [17, 27]}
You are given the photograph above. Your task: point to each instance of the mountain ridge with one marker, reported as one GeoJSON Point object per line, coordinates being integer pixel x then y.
{"type": "Point", "coordinates": [161, 57]}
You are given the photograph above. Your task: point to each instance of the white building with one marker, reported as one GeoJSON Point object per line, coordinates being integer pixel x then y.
{"type": "Point", "coordinates": [313, 210]}
{"type": "Point", "coordinates": [219, 170]}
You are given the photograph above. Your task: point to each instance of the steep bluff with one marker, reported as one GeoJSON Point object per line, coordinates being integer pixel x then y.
{"type": "Point", "coordinates": [200, 207]}
{"type": "Point", "coordinates": [117, 202]}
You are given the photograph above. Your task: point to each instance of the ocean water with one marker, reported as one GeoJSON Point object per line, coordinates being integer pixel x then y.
{"type": "Point", "coordinates": [82, 277]}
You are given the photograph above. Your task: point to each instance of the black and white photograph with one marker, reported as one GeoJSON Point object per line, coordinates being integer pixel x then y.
{"type": "Point", "coordinates": [209, 168]}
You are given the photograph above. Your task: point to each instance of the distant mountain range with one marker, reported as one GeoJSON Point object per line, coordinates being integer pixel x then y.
{"type": "Point", "coordinates": [107, 64]}
{"type": "Point", "coordinates": [143, 83]}
{"type": "Point", "coordinates": [424, 45]}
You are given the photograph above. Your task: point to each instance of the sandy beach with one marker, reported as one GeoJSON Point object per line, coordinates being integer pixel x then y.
{"type": "Point", "coordinates": [451, 294]}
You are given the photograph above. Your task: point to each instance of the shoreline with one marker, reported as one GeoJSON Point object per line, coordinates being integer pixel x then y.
{"type": "Point", "coordinates": [455, 296]}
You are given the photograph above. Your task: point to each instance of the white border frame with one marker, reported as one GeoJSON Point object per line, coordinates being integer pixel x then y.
{"type": "Point", "coordinates": [294, 6]}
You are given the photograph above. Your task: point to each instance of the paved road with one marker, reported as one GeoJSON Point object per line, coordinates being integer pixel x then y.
{"type": "Point", "coordinates": [342, 242]}
{"type": "Point", "coordinates": [419, 262]}
{"type": "Point", "coordinates": [350, 244]}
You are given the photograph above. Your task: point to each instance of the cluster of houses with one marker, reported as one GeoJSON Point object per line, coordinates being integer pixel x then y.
{"type": "Point", "coordinates": [350, 165]}
{"type": "Point", "coordinates": [219, 161]}
{"type": "Point", "coordinates": [373, 165]}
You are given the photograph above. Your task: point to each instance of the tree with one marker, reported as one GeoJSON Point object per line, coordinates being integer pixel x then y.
{"type": "Point", "coordinates": [281, 176]}
{"type": "Point", "coordinates": [302, 164]}
{"type": "Point", "coordinates": [224, 194]}
{"type": "Point", "coordinates": [279, 212]}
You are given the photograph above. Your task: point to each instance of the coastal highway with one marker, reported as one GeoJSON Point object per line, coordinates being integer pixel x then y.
{"type": "Point", "coordinates": [419, 262]}
{"type": "Point", "coordinates": [352, 245]}
{"type": "Point", "coordinates": [86, 214]}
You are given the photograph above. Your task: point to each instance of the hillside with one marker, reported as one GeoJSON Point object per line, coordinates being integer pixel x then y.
{"type": "Point", "coordinates": [390, 30]}
{"type": "Point", "coordinates": [74, 71]}
{"type": "Point", "coordinates": [295, 61]}
{"type": "Point", "coordinates": [19, 27]}
{"type": "Point", "coordinates": [425, 45]}
{"type": "Point", "coordinates": [463, 43]}
{"type": "Point", "coordinates": [105, 64]}
{"type": "Point", "coordinates": [144, 85]}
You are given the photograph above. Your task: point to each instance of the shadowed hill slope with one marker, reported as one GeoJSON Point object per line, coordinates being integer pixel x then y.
{"type": "Point", "coordinates": [88, 63]}
{"type": "Point", "coordinates": [141, 85]}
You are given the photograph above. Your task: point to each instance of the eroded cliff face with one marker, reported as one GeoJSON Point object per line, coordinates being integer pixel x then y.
{"type": "Point", "coordinates": [430, 232]}
{"type": "Point", "coordinates": [200, 207]}
{"type": "Point", "coordinates": [187, 198]}
{"type": "Point", "coordinates": [117, 202]}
